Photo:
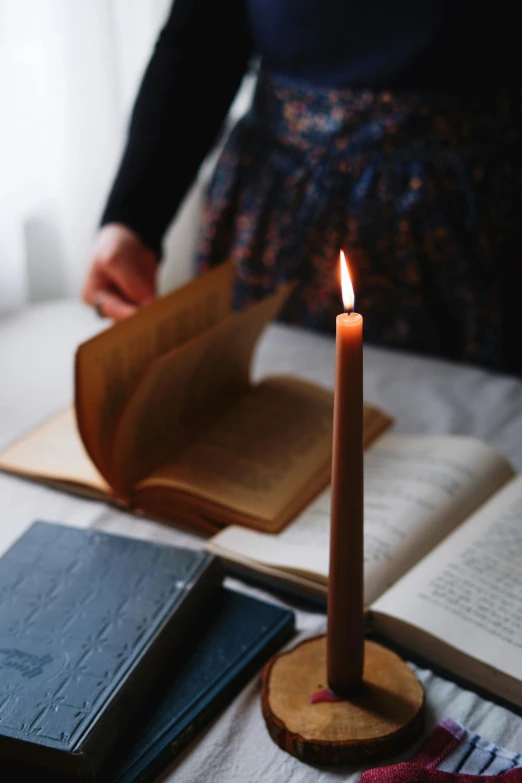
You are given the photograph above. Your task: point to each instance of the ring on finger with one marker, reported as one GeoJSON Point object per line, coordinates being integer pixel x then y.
{"type": "Point", "coordinates": [98, 306]}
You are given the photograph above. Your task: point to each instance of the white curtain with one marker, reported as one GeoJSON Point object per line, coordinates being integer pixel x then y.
{"type": "Point", "coordinates": [69, 70]}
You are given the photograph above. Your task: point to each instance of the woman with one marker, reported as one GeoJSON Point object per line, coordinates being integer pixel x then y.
{"type": "Point", "coordinates": [387, 129]}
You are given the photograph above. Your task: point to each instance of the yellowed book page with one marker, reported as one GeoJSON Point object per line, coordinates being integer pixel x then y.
{"type": "Point", "coordinates": [417, 489]}
{"type": "Point", "coordinates": [185, 391]}
{"type": "Point", "coordinates": [54, 452]}
{"type": "Point", "coordinates": [109, 365]}
{"type": "Point", "coordinates": [468, 591]}
{"type": "Point", "coordinates": [158, 420]}
{"type": "Point", "coordinates": [261, 454]}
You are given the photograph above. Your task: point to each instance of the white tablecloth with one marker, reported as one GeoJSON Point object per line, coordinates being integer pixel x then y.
{"type": "Point", "coordinates": [36, 349]}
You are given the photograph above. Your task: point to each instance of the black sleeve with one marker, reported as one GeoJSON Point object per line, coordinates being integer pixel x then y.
{"type": "Point", "coordinates": [194, 73]}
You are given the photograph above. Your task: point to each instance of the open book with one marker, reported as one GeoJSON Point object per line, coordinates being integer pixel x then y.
{"type": "Point", "coordinates": [167, 422]}
{"type": "Point", "coordinates": [443, 545]}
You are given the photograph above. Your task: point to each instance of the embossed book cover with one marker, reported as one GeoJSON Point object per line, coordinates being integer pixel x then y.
{"type": "Point", "coordinates": [89, 623]}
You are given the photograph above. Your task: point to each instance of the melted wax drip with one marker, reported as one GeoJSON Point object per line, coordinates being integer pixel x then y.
{"type": "Point", "coordinates": [325, 694]}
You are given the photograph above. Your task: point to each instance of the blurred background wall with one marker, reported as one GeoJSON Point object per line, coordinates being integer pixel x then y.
{"type": "Point", "coordinates": [69, 71]}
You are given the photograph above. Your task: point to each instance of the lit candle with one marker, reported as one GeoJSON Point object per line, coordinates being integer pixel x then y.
{"type": "Point", "coordinates": [345, 633]}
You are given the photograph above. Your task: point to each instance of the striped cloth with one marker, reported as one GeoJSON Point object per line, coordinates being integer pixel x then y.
{"type": "Point", "coordinates": [452, 754]}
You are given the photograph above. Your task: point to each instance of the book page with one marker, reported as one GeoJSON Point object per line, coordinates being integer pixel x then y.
{"type": "Point", "coordinates": [183, 393]}
{"type": "Point", "coordinates": [54, 451]}
{"type": "Point", "coordinates": [263, 461]}
{"type": "Point", "coordinates": [468, 591]}
{"type": "Point", "coordinates": [416, 490]}
{"type": "Point", "coordinates": [109, 366]}
{"type": "Point", "coordinates": [261, 456]}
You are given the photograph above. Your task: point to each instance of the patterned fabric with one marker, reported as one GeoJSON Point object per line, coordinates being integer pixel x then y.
{"type": "Point", "coordinates": [451, 754]}
{"type": "Point", "coordinates": [424, 194]}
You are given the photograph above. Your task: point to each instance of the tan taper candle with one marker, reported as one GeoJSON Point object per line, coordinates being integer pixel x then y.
{"type": "Point", "coordinates": [345, 633]}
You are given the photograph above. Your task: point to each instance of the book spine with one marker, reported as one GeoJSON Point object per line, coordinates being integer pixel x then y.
{"type": "Point", "coordinates": [140, 685]}
{"type": "Point", "coordinates": [218, 698]}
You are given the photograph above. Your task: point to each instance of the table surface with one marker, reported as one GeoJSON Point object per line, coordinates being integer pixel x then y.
{"type": "Point", "coordinates": [423, 395]}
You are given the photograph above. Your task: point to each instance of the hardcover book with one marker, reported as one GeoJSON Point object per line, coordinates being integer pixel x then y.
{"type": "Point", "coordinates": [89, 623]}
{"type": "Point", "coordinates": [443, 541]}
{"type": "Point", "coordinates": [168, 423]}
{"type": "Point", "coordinates": [238, 638]}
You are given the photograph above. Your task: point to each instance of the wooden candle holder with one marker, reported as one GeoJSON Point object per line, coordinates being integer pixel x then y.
{"type": "Point", "coordinates": [383, 719]}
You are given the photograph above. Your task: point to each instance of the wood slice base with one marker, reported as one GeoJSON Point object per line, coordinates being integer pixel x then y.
{"type": "Point", "coordinates": [384, 719]}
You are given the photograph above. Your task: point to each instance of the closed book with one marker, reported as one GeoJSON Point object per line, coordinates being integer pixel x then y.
{"type": "Point", "coordinates": [237, 639]}
{"type": "Point", "coordinates": [89, 624]}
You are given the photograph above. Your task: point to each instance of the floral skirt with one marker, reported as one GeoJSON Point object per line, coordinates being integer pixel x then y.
{"type": "Point", "coordinates": [423, 193]}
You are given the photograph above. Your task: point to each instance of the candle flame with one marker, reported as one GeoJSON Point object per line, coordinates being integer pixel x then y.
{"type": "Point", "coordinates": [346, 285]}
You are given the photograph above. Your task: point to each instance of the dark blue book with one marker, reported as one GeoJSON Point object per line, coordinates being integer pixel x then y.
{"type": "Point", "coordinates": [240, 635]}
{"type": "Point", "coordinates": [90, 624]}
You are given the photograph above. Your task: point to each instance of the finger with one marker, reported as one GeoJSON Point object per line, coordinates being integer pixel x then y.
{"type": "Point", "coordinates": [99, 290]}
{"type": "Point", "coordinates": [136, 286]}
{"type": "Point", "coordinates": [113, 306]}
{"type": "Point", "coordinates": [93, 286]}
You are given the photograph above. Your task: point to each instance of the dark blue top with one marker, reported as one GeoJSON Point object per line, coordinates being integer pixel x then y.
{"type": "Point", "coordinates": [366, 43]}
{"type": "Point", "coordinates": [204, 49]}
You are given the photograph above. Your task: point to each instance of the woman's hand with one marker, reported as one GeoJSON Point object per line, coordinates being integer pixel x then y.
{"type": "Point", "coordinates": [122, 275]}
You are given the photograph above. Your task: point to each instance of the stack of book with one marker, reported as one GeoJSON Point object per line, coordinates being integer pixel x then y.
{"type": "Point", "coordinates": [115, 652]}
